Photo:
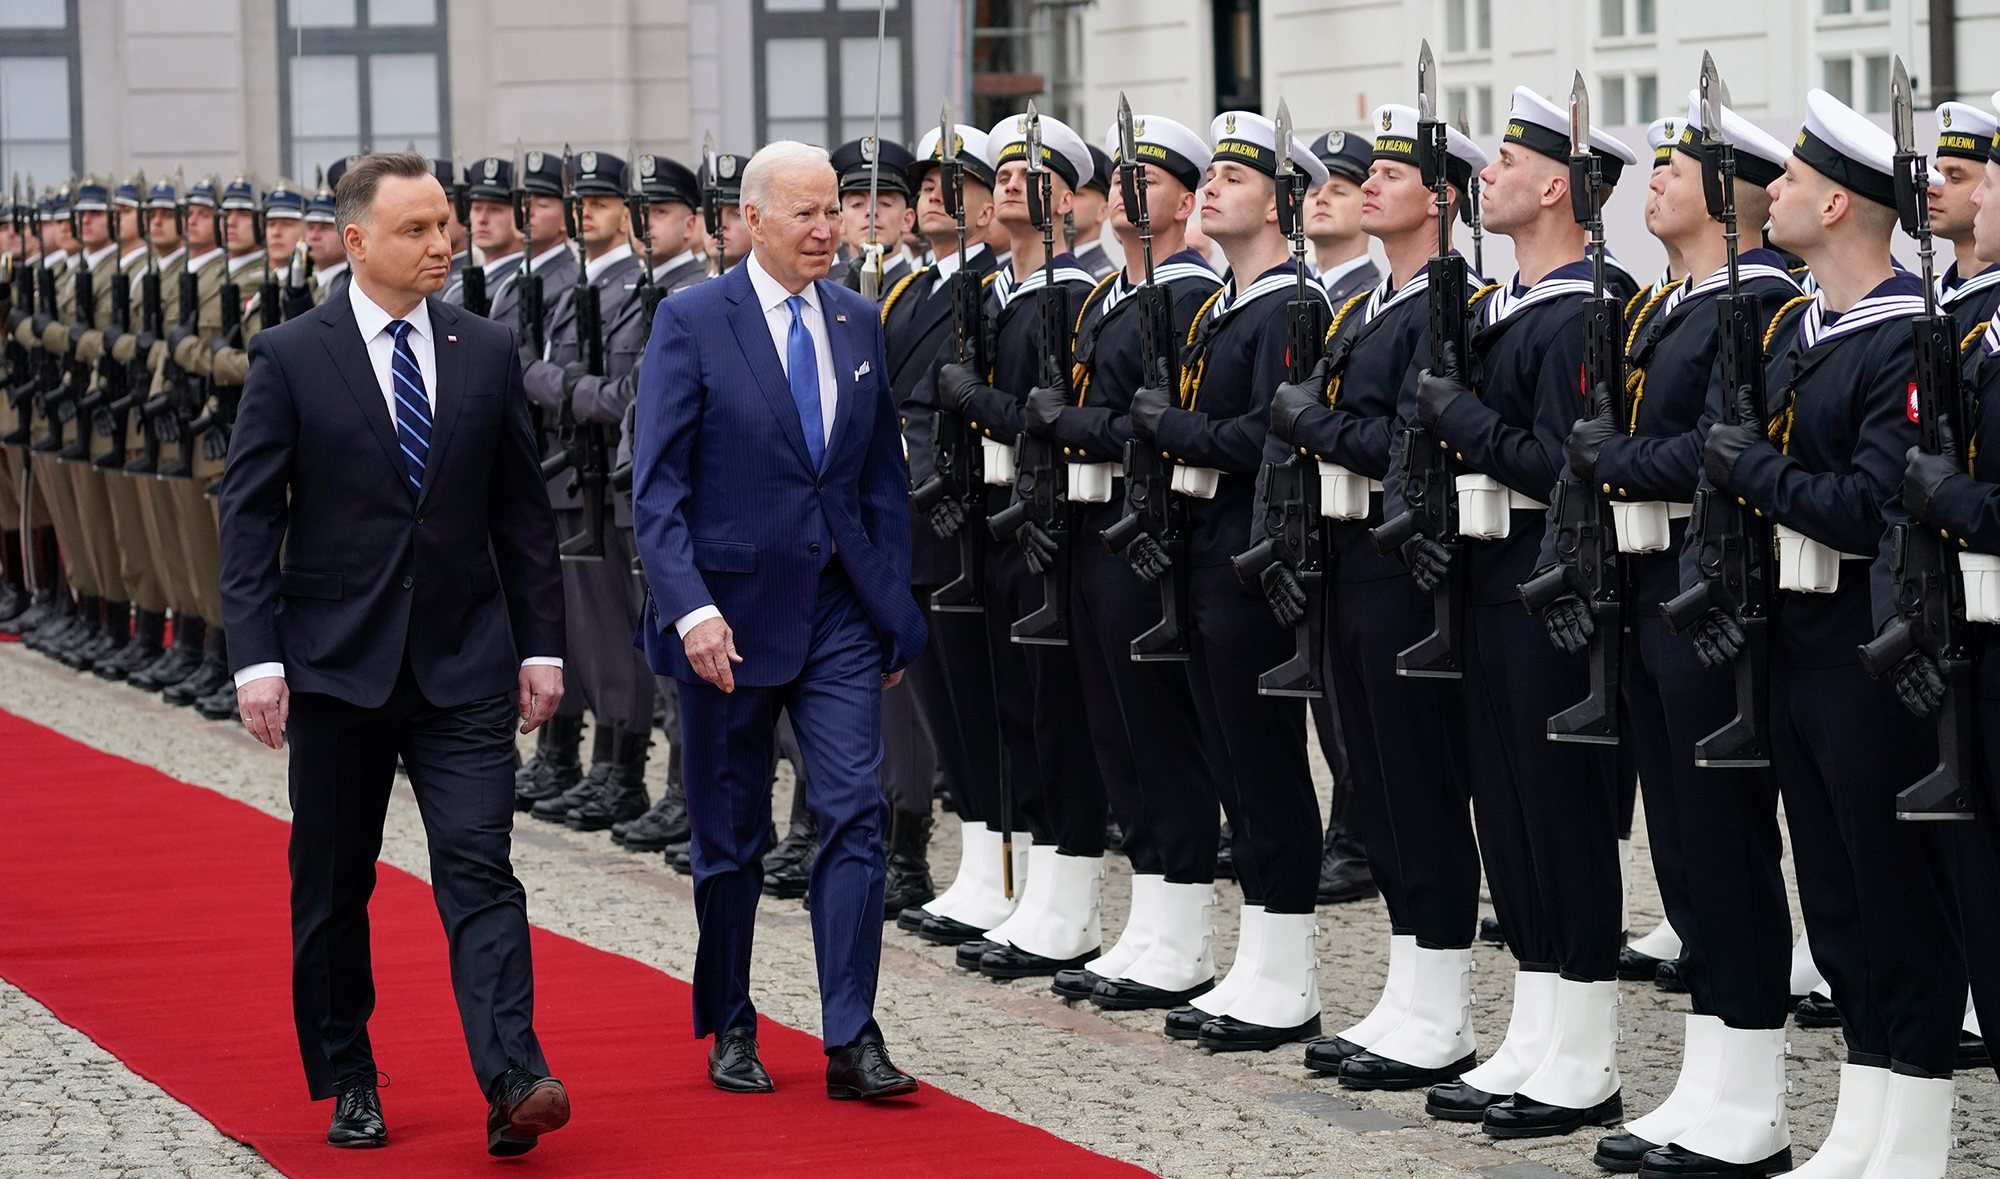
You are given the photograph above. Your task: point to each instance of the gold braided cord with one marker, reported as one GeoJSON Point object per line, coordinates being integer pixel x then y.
{"type": "Point", "coordinates": [896, 292]}
{"type": "Point", "coordinates": [1635, 381]}
{"type": "Point", "coordinates": [1333, 386]}
{"type": "Point", "coordinates": [1771, 332]}
{"type": "Point", "coordinates": [1637, 321]}
{"type": "Point", "coordinates": [1191, 377]}
{"type": "Point", "coordinates": [1636, 296]}
{"type": "Point", "coordinates": [1972, 443]}
{"type": "Point", "coordinates": [1079, 374]}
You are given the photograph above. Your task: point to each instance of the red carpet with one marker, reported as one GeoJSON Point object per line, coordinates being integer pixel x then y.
{"type": "Point", "coordinates": [151, 915]}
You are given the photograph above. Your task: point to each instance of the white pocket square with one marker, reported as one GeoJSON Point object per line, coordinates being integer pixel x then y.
{"type": "Point", "coordinates": [862, 371]}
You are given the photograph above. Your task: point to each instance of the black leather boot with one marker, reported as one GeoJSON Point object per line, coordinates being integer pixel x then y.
{"type": "Point", "coordinates": [666, 823]}
{"type": "Point", "coordinates": [148, 631]}
{"type": "Point", "coordinates": [788, 866]}
{"type": "Point", "coordinates": [114, 630]}
{"type": "Point", "coordinates": [212, 674]}
{"type": "Point", "coordinates": [180, 660]}
{"type": "Point", "coordinates": [1343, 868]}
{"type": "Point", "coordinates": [219, 705]}
{"type": "Point", "coordinates": [83, 624]}
{"type": "Point", "coordinates": [1816, 1011]}
{"type": "Point", "coordinates": [603, 743]}
{"type": "Point", "coordinates": [909, 883]}
{"type": "Point", "coordinates": [13, 590]}
{"type": "Point", "coordinates": [624, 795]}
{"type": "Point", "coordinates": [555, 767]}
{"type": "Point", "coordinates": [1225, 854]}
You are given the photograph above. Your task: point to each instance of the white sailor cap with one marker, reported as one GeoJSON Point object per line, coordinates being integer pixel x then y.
{"type": "Point", "coordinates": [970, 150]}
{"type": "Point", "coordinates": [1251, 140]}
{"type": "Point", "coordinates": [1541, 126]}
{"type": "Point", "coordinates": [1964, 131]}
{"type": "Point", "coordinates": [1396, 139]}
{"type": "Point", "coordinates": [1165, 144]}
{"type": "Point", "coordinates": [1063, 150]}
{"type": "Point", "coordinates": [1661, 136]}
{"type": "Point", "coordinates": [1760, 158]}
{"type": "Point", "coordinates": [1847, 149]}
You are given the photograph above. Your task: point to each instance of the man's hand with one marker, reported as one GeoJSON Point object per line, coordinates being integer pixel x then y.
{"type": "Point", "coordinates": [1283, 593]}
{"type": "Point", "coordinates": [1291, 401]}
{"type": "Point", "coordinates": [1586, 442]}
{"type": "Point", "coordinates": [541, 691]}
{"type": "Point", "coordinates": [1147, 558]}
{"type": "Point", "coordinates": [947, 516]}
{"type": "Point", "coordinates": [711, 648]}
{"type": "Point", "coordinates": [1434, 396]}
{"type": "Point", "coordinates": [1570, 624]}
{"type": "Point", "coordinates": [1726, 447]}
{"type": "Point", "coordinates": [1918, 684]}
{"type": "Point", "coordinates": [1718, 638]}
{"type": "Point", "coordinates": [1149, 406]}
{"type": "Point", "coordinates": [1923, 477]}
{"type": "Point", "coordinates": [1037, 547]}
{"type": "Point", "coordinates": [1427, 561]}
{"type": "Point", "coordinates": [955, 386]}
{"type": "Point", "coordinates": [265, 704]}
{"type": "Point", "coordinates": [891, 678]}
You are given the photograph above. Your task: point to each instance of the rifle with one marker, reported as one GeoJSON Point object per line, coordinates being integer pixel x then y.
{"type": "Point", "coordinates": [580, 446]}
{"type": "Point", "coordinates": [1151, 509]}
{"type": "Point", "coordinates": [1430, 476]}
{"type": "Point", "coordinates": [152, 327]}
{"type": "Point", "coordinates": [118, 392]}
{"type": "Point", "coordinates": [223, 416]}
{"type": "Point", "coordinates": [957, 463]}
{"type": "Point", "coordinates": [174, 411]}
{"type": "Point", "coordinates": [1732, 542]}
{"type": "Point", "coordinates": [1587, 559]}
{"type": "Point", "coordinates": [20, 362]}
{"type": "Point", "coordinates": [1041, 477]}
{"type": "Point", "coordinates": [74, 389]}
{"type": "Point", "coordinates": [1294, 531]}
{"type": "Point", "coordinates": [711, 198]}
{"type": "Point", "coordinates": [472, 279]}
{"type": "Point", "coordinates": [528, 306]}
{"type": "Point", "coordinates": [1930, 591]}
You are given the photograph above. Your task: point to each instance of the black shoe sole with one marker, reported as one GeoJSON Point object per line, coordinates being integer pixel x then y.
{"type": "Point", "coordinates": [358, 1143]}
{"type": "Point", "coordinates": [1415, 1078]}
{"type": "Point", "coordinates": [544, 1111]}
{"type": "Point", "coordinates": [1615, 1165]}
{"type": "Point", "coordinates": [1273, 1039]}
{"type": "Point", "coordinates": [950, 933]}
{"type": "Point", "coordinates": [849, 1093]}
{"type": "Point", "coordinates": [910, 919]}
{"type": "Point", "coordinates": [1156, 1001]}
{"type": "Point", "coordinates": [1349, 896]}
{"type": "Point", "coordinates": [736, 1087]}
{"type": "Point", "coordinates": [1777, 1164]}
{"type": "Point", "coordinates": [1039, 967]}
{"type": "Point", "coordinates": [1607, 1113]}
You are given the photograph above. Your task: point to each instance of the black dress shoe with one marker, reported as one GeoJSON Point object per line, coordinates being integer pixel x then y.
{"type": "Point", "coordinates": [943, 931]}
{"type": "Point", "coordinates": [1490, 931]}
{"type": "Point", "coordinates": [1523, 1117]}
{"type": "Point", "coordinates": [1365, 1070]}
{"type": "Point", "coordinates": [1184, 1023]}
{"type": "Point", "coordinates": [1636, 967]}
{"type": "Point", "coordinates": [1671, 977]}
{"type": "Point", "coordinates": [1326, 1055]}
{"type": "Point", "coordinates": [909, 919]}
{"type": "Point", "coordinates": [524, 1107]}
{"type": "Point", "coordinates": [1225, 854]}
{"type": "Point", "coordinates": [1075, 984]}
{"type": "Point", "coordinates": [1228, 1034]}
{"type": "Point", "coordinates": [1816, 1011]}
{"type": "Point", "coordinates": [1460, 1102]}
{"type": "Point", "coordinates": [790, 880]}
{"type": "Point", "coordinates": [1622, 1152]}
{"type": "Point", "coordinates": [665, 824]}
{"type": "Point", "coordinates": [1972, 1052]}
{"type": "Point", "coordinates": [733, 1066]}
{"type": "Point", "coordinates": [1682, 1163]}
{"type": "Point", "coordinates": [357, 1116]}
{"type": "Point", "coordinates": [1015, 962]}
{"type": "Point", "coordinates": [863, 1070]}
{"type": "Point", "coordinates": [680, 859]}
{"type": "Point", "coordinates": [1122, 994]}
{"type": "Point", "coordinates": [971, 952]}
{"type": "Point", "coordinates": [1344, 874]}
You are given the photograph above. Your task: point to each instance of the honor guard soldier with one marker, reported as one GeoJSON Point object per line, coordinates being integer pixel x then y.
{"type": "Point", "coordinates": [18, 545]}
{"type": "Point", "coordinates": [1713, 829]}
{"type": "Point", "coordinates": [1968, 288]}
{"type": "Point", "coordinates": [578, 386]}
{"type": "Point", "coordinates": [1544, 809]}
{"type": "Point", "coordinates": [1405, 743]}
{"type": "Point", "coordinates": [894, 218]}
{"type": "Point", "coordinates": [540, 188]}
{"type": "Point", "coordinates": [490, 187]}
{"type": "Point", "coordinates": [1142, 715]}
{"type": "Point", "coordinates": [952, 678]}
{"type": "Point", "coordinates": [1663, 138]}
{"type": "Point", "coordinates": [47, 333]}
{"type": "Point", "coordinates": [1088, 210]}
{"type": "Point", "coordinates": [1333, 219]}
{"type": "Point", "coordinates": [1212, 430]}
{"type": "Point", "coordinates": [459, 233]}
{"type": "Point", "coordinates": [726, 191]}
{"type": "Point", "coordinates": [1841, 392]}
{"type": "Point", "coordinates": [323, 245]}
{"type": "Point", "coordinates": [673, 204]}
{"type": "Point", "coordinates": [1056, 781]}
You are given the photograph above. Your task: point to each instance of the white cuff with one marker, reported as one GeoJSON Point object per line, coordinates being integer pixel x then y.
{"type": "Point", "coordinates": [694, 618]}
{"type": "Point", "coordinates": [541, 661]}
{"type": "Point", "coordinates": [259, 671]}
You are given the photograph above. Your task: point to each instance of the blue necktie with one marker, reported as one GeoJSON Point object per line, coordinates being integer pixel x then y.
{"type": "Point", "coordinates": [413, 406]}
{"type": "Point", "coordinates": [802, 370]}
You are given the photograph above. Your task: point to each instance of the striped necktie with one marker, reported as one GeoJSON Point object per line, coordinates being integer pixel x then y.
{"type": "Point", "coordinates": [413, 405]}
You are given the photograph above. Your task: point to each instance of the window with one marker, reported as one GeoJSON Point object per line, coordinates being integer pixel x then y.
{"type": "Point", "coordinates": [1644, 21]}
{"type": "Point", "coordinates": [1610, 109]}
{"type": "Point", "coordinates": [1877, 99]}
{"type": "Point", "coordinates": [1839, 7]}
{"type": "Point", "coordinates": [816, 71]}
{"type": "Point", "coordinates": [362, 75]}
{"type": "Point", "coordinates": [1455, 40]}
{"type": "Point", "coordinates": [1837, 77]}
{"type": "Point", "coordinates": [1483, 24]}
{"type": "Point", "coordinates": [41, 98]}
{"type": "Point", "coordinates": [1611, 18]}
{"type": "Point", "coordinates": [1483, 125]}
{"type": "Point", "coordinates": [1647, 98]}
{"type": "Point", "coordinates": [1875, 6]}
{"type": "Point", "coordinates": [1458, 106]}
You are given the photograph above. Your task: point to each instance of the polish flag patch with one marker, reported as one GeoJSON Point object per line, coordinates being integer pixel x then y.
{"type": "Point", "coordinates": [1912, 410]}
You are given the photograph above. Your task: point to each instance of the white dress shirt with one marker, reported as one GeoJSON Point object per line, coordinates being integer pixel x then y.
{"type": "Point", "coordinates": [771, 297]}
{"type": "Point", "coordinates": [381, 341]}
{"type": "Point", "coordinates": [1338, 271]}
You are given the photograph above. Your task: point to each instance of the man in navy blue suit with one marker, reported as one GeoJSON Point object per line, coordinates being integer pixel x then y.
{"type": "Point", "coordinates": [770, 508]}
{"type": "Point", "coordinates": [389, 570]}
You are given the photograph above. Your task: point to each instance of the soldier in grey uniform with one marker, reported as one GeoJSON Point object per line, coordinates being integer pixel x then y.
{"type": "Point", "coordinates": [491, 185]}
{"type": "Point", "coordinates": [323, 246]}
{"type": "Point", "coordinates": [1333, 225]}
{"type": "Point", "coordinates": [855, 162]}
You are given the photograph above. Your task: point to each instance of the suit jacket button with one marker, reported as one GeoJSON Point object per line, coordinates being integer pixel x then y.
{"type": "Point", "coordinates": [408, 582]}
{"type": "Point", "coordinates": [815, 550]}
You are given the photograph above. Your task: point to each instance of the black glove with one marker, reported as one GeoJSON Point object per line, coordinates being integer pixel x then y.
{"type": "Point", "coordinates": [1725, 449]}
{"type": "Point", "coordinates": [215, 446]}
{"type": "Point", "coordinates": [956, 384]}
{"type": "Point", "coordinates": [1718, 638]}
{"type": "Point", "coordinates": [1149, 406]}
{"type": "Point", "coordinates": [105, 424]}
{"type": "Point", "coordinates": [1922, 478]}
{"type": "Point", "coordinates": [1427, 561]}
{"type": "Point", "coordinates": [1918, 684]}
{"type": "Point", "coordinates": [167, 427]}
{"type": "Point", "coordinates": [1037, 546]}
{"type": "Point", "coordinates": [1586, 442]}
{"type": "Point", "coordinates": [1293, 400]}
{"type": "Point", "coordinates": [1434, 396]}
{"type": "Point", "coordinates": [1570, 624]}
{"type": "Point", "coordinates": [1283, 593]}
{"type": "Point", "coordinates": [1043, 408]}
{"type": "Point", "coordinates": [947, 516]}
{"type": "Point", "coordinates": [1147, 558]}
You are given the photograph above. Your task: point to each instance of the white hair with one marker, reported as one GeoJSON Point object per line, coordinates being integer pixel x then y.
{"type": "Point", "coordinates": [777, 157]}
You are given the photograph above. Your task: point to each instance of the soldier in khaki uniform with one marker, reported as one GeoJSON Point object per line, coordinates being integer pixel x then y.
{"type": "Point", "coordinates": [40, 550]}
{"type": "Point", "coordinates": [16, 296]}
{"type": "Point", "coordinates": [39, 333]}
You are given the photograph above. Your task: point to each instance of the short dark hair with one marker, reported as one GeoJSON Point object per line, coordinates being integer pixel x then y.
{"type": "Point", "coordinates": [354, 197]}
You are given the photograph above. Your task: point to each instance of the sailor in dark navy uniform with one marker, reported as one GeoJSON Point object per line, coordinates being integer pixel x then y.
{"type": "Point", "coordinates": [1544, 809]}
{"type": "Point", "coordinates": [1713, 831]}
{"type": "Point", "coordinates": [1213, 429]}
{"type": "Point", "coordinates": [1058, 784]}
{"type": "Point", "coordinates": [1842, 402]}
{"type": "Point", "coordinates": [1968, 288]}
{"type": "Point", "coordinates": [1404, 736]}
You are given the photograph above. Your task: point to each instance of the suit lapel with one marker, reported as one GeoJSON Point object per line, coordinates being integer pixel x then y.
{"type": "Point", "coordinates": [844, 364]}
{"type": "Point", "coordinates": [753, 336]}
{"type": "Point", "coordinates": [349, 352]}
{"type": "Point", "coordinates": [450, 391]}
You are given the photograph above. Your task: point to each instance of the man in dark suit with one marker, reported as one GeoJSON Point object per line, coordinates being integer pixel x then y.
{"type": "Point", "coordinates": [770, 501]}
{"type": "Point", "coordinates": [389, 553]}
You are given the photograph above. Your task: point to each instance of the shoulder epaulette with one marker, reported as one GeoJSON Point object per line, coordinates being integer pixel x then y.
{"type": "Point", "coordinates": [903, 284]}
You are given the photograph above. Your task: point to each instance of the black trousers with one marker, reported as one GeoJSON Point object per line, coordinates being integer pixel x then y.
{"type": "Point", "coordinates": [1258, 742]}
{"type": "Point", "coordinates": [1874, 890]}
{"type": "Point", "coordinates": [1546, 828]}
{"type": "Point", "coordinates": [1142, 717]}
{"type": "Point", "coordinates": [1406, 757]}
{"type": "Point", "coordinates": [907, 757]}
{"type": "Point", "coordinates": [952, 679]}
{"type": "Point", "coordinates": [602, 601]}
{"type": "Point", "coordinates": [1975, 869]}
{"type": "Point", "coordinates": [461, 765]}
{"type": "Point", "coordinates": [1714, 832]}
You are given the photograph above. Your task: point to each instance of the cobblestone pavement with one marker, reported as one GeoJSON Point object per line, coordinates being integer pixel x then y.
{"type": "Point", "coordinates": [1106, 1080]}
